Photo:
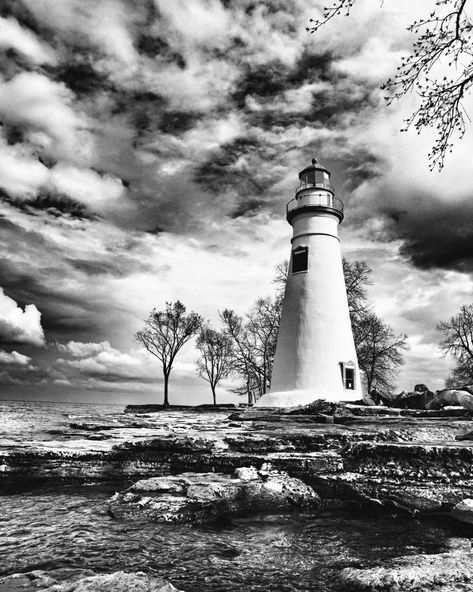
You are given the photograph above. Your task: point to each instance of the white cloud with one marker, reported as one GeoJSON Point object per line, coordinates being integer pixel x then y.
{"type": "Point", "coordinates": [101, 359]}
{"type": "Point", "coordinates": [204, 22]}
{"type": "Point", "coordinates": [99, 193]}
{"type": "Point", "coordinates": [18, 325]}
{"type": "Point", "coordinates": [78, 349]}
{"type": "Point", "coordinates": [33, 101]}
{"type": "Point", "coordinates": [363, 67]}
{"type": "Point", "coordinates": [106, 23]}
{"type": "Point", "coordinates": [12, 35]}
{"type": "Point", "coordinates": [21, 175]}
{"type": "Point", "coordinates": [14, 359]}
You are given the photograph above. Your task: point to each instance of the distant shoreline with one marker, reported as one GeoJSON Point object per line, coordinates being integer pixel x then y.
{"type": "Point", "coordinates": [152, 408]}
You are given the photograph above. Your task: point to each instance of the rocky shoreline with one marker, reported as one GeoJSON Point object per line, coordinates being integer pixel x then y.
{"type": "Point", "coordinates": [261, 460]}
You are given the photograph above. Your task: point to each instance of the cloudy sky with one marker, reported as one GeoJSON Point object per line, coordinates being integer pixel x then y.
{"type": "Point", "coordinates": [148, 148]}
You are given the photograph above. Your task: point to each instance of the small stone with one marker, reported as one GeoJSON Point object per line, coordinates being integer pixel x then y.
{"type": "Point", "coordinates": [246, 473]}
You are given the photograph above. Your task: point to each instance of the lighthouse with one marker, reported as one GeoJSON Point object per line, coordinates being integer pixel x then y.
{"type": "Point", "coordinates": [315, 354]}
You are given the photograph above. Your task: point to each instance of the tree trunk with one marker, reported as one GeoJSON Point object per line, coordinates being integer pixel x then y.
{"type": "Point", "coordinates": [214, 394]}
{"type": "Point", "coordinates": [166, 397]}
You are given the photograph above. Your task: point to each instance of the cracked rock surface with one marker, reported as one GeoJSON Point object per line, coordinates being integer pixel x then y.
{"type": "Point", "coordinates": [191, 497]}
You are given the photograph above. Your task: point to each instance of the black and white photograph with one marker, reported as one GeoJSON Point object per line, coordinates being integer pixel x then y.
{"type": "Point", "coordinates": [236, 295]}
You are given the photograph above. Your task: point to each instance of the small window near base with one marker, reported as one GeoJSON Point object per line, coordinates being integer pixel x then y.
{"type": "Point", "coordinates": [348, 375]}
{"type": "Point", "coordinates": [350, 379]}
{"type": "Point", "coordinates": [300, 259]}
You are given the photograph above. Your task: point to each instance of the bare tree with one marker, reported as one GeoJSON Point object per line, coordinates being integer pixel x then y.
{"type": "Point", "coordinates": [164, 334]}
{"type": "Point", "coordinates": [443, 44]}
{"type": "Point", "coordinates": [357, 279]}
{"type": "Point", "coordinates": [458, 342]}
{"type": "Point", "coordinates": [379, 351]}
{"type": "Point", "coordinates": [254, 337]}
{"type": "Point", "coordinates": [216, 361]}
{"type": "Point", "coordinates": [281, 271]}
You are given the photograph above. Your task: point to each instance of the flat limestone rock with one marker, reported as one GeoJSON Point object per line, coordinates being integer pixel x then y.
{"type": "Point", "coordinates": [463, 511]}
{"type": "Point", "coordinates": [204, 497]}
{"type": "Point", "coordinates": [84, 581]}
{"type": "Point", "coordinates": [443, 572]}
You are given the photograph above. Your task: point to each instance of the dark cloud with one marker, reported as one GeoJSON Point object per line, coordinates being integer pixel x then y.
{"type": "Point", "coordinates": [265, 80]}
{"type": "Point", "coordinates": [80, 76]}
{"type": "Point", "coordinates": [13, 134]}
{"type": "Point", "coordinates": [13, 62]}
{"type": "Point", "coordinates": [53, 203]}
{"type": "Point", "coordinates": [66, 290]}
{"type": "Point", "coordinates": [224, 170]}
{"type": "Point", "coordinates": [439, 236]}
{"type": "Point", "coordinates": [152, 46]}
{"type": "Point", "coordinates": [270, 79]}
{"type": "Point", "coordinates": [63, 314]}
{"type": "Point", "coordinates": [248, 208]}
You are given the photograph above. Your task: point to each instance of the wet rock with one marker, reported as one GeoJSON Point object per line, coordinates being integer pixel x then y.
{"type": "Point", "coordinates": [449, 411]}
{"type": "Point", "coordinates": [451, 397]}
{"type": "Point", "coordinates": [465, 436]}
{"type": "Point", "coordinates": [272, 417]}
{"type": "Point", "coordinates": [246, 473]}
{"type": "Point", "coordinates": [84, 581]}
{"type": "Point", "coordinates": [457, 544]}
{"type": "Point", "coordinates": [207, 497]}
{"type": "Point", "coordinates": [463, 511]}
{"type": "Point", "coordinates": [92, 427]}
{"type": "Point", "coordinates": [443, 572]}
{"type": "Point", "coordinates": [370, 411]}
{"type": "Point", "coordinates": [41, 580]}
{"type": "Point", "coordinates": [117, 582]}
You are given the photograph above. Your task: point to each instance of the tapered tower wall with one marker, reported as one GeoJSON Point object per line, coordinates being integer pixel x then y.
{"type": "Point", "coordinates": [315, 355]}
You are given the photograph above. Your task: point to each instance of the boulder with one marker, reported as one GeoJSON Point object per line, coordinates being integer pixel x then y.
{"type": "Point", "coordinates": [463, 511]}
{"type": "Point", "coordinates": [422, 388]}
{"type": "Point", "coordinates": [194, 497]}
{"type": "Point", "coordinates": [416, 399]}
{"type": "Point", "coordinates": [443, 572]}
{"type": "Point", "coordinates": [449, 397]}
{"type": "Point", "coordinates": [84, 581]}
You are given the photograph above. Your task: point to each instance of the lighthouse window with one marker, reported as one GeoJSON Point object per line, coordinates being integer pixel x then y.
{"type": "Point", "coordinates": [348, 375]}
{"type": "Point", "coordinates": [350, 378]}
{"type": "Point", "coordinates": [300, 259]}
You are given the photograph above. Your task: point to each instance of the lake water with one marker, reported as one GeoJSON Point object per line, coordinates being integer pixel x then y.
{"type": "Point", "coordinates": [57, 527]}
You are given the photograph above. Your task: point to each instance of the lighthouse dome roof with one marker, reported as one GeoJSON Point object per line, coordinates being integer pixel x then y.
{"type": "Point", "coordinates": [315, 166]}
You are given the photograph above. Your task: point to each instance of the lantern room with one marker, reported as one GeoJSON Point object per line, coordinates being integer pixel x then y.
{"type": "Point", "coordinates": [315, 175]}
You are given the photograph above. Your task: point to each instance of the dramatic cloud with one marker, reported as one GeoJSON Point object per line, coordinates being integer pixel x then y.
{"type": "Point", "coordinates": [18, 325]}
{"type": "Point", "coordinates": [148, 152]}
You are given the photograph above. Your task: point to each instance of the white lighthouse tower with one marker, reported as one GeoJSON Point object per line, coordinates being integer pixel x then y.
{"type": "Point", "coordinates": [315, 353]}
